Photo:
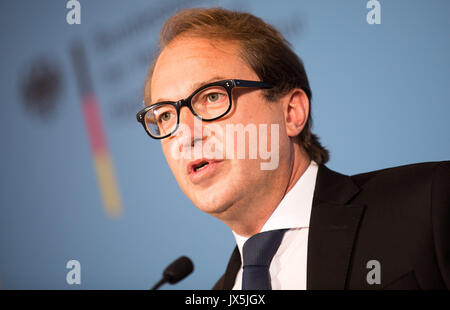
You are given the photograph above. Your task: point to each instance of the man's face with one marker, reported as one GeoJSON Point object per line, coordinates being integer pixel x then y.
{"type": "Point", "coordinates": [186, 64]}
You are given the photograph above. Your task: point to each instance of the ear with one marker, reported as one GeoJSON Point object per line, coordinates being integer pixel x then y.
{"type": "Point", "coordinates": [296, 111]}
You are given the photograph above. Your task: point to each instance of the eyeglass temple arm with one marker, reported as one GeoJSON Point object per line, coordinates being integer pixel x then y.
{"type": "Point", "coordinates": [244, 83]}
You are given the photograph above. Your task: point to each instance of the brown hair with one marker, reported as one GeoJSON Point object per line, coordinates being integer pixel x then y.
{"type": "Point", "coordinates": [263, 47]}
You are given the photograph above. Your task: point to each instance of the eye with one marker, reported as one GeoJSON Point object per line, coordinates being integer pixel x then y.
{"type": "Point", "coordinates": [213, 97]}
{"type": "Point", "coordinates": [165, 116]}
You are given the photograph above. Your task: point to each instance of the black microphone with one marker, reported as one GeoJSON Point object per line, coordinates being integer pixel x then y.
{"type": "Point", "coordinates": [175, 272]}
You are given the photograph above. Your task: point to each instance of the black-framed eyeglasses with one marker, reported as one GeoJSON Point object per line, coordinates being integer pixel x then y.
{"type": "Point", "coordinates": [208, 103]}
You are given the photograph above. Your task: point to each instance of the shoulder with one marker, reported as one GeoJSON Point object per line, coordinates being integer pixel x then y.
{"type": "Point", "coordinates": [416, 195]}
{"type": "Point", "coordinates": [409, 191]}
{"type": "Point", "coordinates": [406, 221]}
{"type": "Point", "coordinates": [407, 176]}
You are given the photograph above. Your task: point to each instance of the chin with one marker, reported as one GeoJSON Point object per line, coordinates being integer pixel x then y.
{"type": "Point", "coordinates": [211, 203]}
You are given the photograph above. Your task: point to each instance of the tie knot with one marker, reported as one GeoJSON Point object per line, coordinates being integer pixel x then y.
{"type": "Point", "coordinates": [259, 249]}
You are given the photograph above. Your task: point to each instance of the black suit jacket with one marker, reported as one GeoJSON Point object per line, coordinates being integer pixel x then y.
{"type": "Point", "coordinates": [397, 216]}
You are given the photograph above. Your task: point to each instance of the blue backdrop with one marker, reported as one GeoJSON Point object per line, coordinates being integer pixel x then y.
{"type": "Point", "coordinates": [380, 100]}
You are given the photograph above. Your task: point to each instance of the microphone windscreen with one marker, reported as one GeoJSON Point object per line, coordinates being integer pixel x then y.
{"type": "Point", "coordinates": [178, 270]}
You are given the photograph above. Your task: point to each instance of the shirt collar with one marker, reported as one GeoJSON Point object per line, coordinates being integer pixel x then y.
{"type": "Point", "coordinates": [294, 210]}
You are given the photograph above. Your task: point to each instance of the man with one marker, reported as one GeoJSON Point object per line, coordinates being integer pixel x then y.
{"type": "Point", "coordinates": [297, 224]}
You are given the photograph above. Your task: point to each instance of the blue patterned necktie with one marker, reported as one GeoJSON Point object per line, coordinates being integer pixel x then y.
{"type": "Point", "coordinates": [258, 252]}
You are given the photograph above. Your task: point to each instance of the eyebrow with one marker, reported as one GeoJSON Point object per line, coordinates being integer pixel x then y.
{"type": "Point", "coordinates": [194, 87]}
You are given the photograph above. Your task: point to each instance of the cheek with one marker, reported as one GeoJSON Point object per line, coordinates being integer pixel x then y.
{"type": "Point", "coordinates": [168, 154]}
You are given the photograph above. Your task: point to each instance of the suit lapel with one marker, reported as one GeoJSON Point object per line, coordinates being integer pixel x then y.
{"type": "Point", "coordinates": [333, 226]}
{"type": "Point", "coordinates": [232, 269]}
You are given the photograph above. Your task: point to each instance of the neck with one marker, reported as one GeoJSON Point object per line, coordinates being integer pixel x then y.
{"type": "Point", "coordinates": [299, 165]}
{"type": "Point", "coordinates": [248, 218]}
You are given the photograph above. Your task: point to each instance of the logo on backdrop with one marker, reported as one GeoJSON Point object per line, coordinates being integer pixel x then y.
{"type": "Point", "coordinates": [41, 87]}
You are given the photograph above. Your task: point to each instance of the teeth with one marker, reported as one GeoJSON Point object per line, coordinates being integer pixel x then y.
{"type": "Point", "coordinates": [202, 165]}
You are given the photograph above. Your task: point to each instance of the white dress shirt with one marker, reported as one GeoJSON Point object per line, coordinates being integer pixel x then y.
{"type": "Point", "coordinates": [288, 266]}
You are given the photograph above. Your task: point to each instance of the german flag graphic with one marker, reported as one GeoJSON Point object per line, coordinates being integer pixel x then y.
{"type": "Point", "coordinates": [103, 164]}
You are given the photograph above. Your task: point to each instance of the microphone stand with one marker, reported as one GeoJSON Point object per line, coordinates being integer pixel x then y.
{"type": "Point", "coordinates": [159, 284]}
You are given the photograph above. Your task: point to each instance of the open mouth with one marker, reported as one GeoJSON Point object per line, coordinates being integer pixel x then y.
{"type": "Point", "coordinates": [200, 166]}
{"type": "Point", "coordinates": [202, 169]}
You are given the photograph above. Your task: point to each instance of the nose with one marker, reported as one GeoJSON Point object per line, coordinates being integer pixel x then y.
{"type": "Point", "coordinates": [186, 117]}
{"type": "Point", "coordinates": [190, 128]}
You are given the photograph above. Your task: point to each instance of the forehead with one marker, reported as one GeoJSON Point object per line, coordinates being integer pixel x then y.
{"type": "Point", "coordinates": [187, 63]}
